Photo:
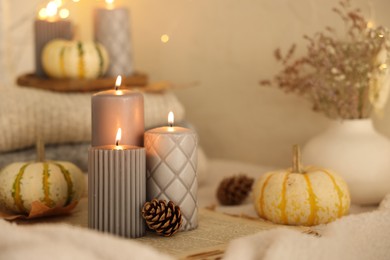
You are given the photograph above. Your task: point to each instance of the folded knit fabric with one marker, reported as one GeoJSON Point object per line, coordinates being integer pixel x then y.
{"type": "Point", "coordinates": [63, 118]}
{"type": "Point", "coordinates": [360, 236]}
{"type": "Point", "coordinates": [74, 153]}
{"type": "Point", "coordinates": [78, 154]}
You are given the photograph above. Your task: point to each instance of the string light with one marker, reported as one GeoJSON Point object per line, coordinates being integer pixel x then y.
{"type": "Point", "coordinates": [51, 9]}
{"type": "Point", "coordinates": [58, 3]}
{"type": "Point", "coordinates": [64, 13]}
{"type": "Point", "coordinates": [42, 13]}
{"type": "Point", "coordinates": [164, 38]}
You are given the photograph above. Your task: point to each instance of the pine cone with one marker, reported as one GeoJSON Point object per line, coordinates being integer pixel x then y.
{"type": "Point", "coordinates": [162, 217]}
{"type": "Point", "coordinates": [234, 190]}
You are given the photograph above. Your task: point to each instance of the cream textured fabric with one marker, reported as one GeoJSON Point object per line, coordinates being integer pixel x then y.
{"type": "Point", "coordinates": [63, 118]}
{"type": "Point", "coordinates": [5, 72]}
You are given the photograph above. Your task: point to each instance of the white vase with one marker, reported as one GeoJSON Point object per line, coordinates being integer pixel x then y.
{"type": "Point", "coordinates": [356, 151]}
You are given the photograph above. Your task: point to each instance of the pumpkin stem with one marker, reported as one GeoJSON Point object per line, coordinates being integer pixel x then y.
{"type": "Point", "coordinates": [40, 149]}
{"type": "Point", "coordinates": [296, 163]}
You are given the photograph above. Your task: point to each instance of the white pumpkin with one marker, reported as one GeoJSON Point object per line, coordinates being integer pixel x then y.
{"type": "Point", "coordinates": [53, 183]}
{"type": "Point", "coordinates": [74, 59]}
{"type": "Point", "coordinates": [301, 195]}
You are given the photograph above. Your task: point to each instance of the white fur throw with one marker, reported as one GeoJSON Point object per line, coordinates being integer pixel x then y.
{"type": "Point", "coordinates": [63, 242]}
{"type": "Point", "coordinates": [63, 118]}
{"type": "Point", "coordinates": [361, 236]}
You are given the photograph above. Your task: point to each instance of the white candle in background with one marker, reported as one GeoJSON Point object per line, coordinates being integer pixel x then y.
{"type": "Point", "coordinates": [111, 28]}
{"type": "Point", "coordinates": [171, 165]}
{"type": "Point", "coordinates": [117, 189]}
{"type": "Point", "coordinates": [116, 108]}
{"type": "Point", "coordinates": [50, 24]}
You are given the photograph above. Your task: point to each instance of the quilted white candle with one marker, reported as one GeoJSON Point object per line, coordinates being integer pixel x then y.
{"type": "Point", "coordinates": [171, 166]}
{"type": "Point", "coordinates": [113, 109]}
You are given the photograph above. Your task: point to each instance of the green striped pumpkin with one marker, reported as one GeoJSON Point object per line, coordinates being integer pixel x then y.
{"type": "Point", "coordinates": [54, 183]}
{"type": "Point", "coordinates": [74, 59]}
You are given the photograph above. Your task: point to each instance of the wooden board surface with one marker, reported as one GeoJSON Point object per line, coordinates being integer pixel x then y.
{"type": "Point", "coordinates": [80, 85]}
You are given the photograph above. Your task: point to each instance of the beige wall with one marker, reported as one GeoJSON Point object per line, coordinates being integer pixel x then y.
{"type": "Point", "coordinates": [226, 46]}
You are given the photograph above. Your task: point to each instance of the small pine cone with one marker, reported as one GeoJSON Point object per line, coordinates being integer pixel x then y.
{"type": "Point", "coordinates": [162, 217]}
{"type": "Point", "coordinates": [234, 190]}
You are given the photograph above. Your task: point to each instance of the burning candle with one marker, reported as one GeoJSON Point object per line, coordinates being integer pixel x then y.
{"type": "Point", "coordinates": [113, 109]}
{"type": "Point", "coordinates": [171, 165]}
{"type": "Point", "coordinates": [117, 188]}
{"type": "Point", "coordinates": [51, 23]}
{"type": "Point", "coordinates": [111, 28]}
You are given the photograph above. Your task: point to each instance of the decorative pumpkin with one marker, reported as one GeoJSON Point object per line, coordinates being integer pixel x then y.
{"type": "Point", "coordinates": [54, 183]}
{"type": "Point", "coordinates": [74, 59]}
{"type": "Point", "coordinates": [301, 195]}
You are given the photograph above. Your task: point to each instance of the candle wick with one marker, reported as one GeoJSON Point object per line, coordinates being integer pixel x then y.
{"type": "Point", "coordinates": [170, 124]}
{"type": "Point", "coordinates": [117, 142]}
{"type": "Point", "coordinates": [116, 88]}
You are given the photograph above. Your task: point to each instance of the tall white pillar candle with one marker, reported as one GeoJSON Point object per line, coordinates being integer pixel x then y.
{"type": "Point", "coordinates": [113, 109]}
{"type": "Point", "coordinates": [171, 165]}
{"type": "Point", "coordinates": [111, 28]}
{"type": "Point", "coordinates": [116, 191]}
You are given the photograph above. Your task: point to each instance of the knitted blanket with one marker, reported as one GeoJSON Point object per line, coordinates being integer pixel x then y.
{"type": "Point", "coordinates": [74, 153]}
{"type": "Point", "coordinates": [78, 154]}
{"type": "Point", "coordinates": [63, 118]}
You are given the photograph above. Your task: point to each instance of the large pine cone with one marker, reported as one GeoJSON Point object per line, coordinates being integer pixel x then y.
{"type": "Point", "coordinates": [234, 190]}
{"type": "Point", "coordinates": [161, 217]}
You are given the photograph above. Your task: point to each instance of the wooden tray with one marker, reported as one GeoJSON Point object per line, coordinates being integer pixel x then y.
{"type": "Point", "coordinates": [80, 85]}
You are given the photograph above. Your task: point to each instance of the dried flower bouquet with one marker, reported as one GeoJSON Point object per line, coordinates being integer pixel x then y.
{"type": "Point", "coordinates": [344, 77]}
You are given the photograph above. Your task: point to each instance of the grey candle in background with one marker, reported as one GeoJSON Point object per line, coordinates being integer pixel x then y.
{"type": "Point", "coordinates": [111, 28]}
{"type": "Point", "coordinates": [171, 165]}
{"type": "Point", "coordinates": [116, 190]}
{"type": "Point", "coordinates": [45, 31]}
{"type": "Point", "coordinates": [115, 109]}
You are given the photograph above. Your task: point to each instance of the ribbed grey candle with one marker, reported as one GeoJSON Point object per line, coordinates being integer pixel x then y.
{"type": "Point", "coordinates": [171, 165]}
{"type": "Point", "coordinates": [45, 31]}
{"type": "Point", "coordinates": [116, 192]}
{"type": "Point", "coordinates": [111, 28]}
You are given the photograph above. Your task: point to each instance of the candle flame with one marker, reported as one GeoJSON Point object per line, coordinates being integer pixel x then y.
{"type": "Point", "coordinates": [171, 119]}
{"type": "Point", "coordinates": [53, 10]}
{"type": "Point", "coordinates": [118, 82]}
{"type": "Point", "coordinates": [110, 4]}
{"type": "Point", "coordinates": [118, 136]}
